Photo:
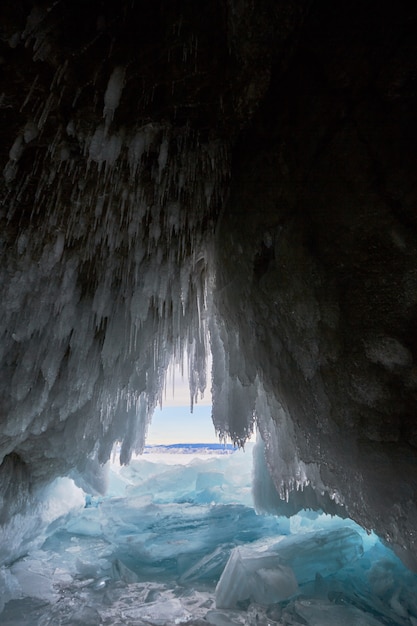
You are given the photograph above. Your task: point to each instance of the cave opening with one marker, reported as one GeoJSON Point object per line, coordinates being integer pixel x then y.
{"type": "Point", "coordinates": [238, 178]}
{"type": "Point", "coordinates": [193, 530]}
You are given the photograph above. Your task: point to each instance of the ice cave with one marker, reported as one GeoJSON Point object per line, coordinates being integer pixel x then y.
{"type": "Point", "coordinates": [185, 179]}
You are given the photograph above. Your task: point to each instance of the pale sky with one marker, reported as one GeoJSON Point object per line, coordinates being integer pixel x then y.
{"type": "Point", "coordinates": [175, 423]}
{"type": "Point", "coordinates": [177, 391]}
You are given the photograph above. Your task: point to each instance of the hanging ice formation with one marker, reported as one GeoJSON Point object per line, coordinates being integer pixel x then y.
{"type": "Point", "coordinates": [129, 236]}
{"type": "Point", "coordinates": [108, 280]}
{"type": "Point", "coordinates": [108, 211]}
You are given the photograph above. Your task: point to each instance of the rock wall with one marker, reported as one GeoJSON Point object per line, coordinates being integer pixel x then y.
{"type": "Point", "coordinates": [316, 267]}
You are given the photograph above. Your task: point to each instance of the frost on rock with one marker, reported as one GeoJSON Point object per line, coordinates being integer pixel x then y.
{"type": "Point", "coordinates": [101, 294]}
{"type": "Point", "coordinates": [104, 281]}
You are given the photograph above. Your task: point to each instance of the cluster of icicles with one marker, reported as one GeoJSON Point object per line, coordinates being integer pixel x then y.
{"type": "Point", "coordinates": [108, 279]}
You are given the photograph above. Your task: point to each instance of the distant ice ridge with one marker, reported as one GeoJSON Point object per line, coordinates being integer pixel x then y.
{"type": "Point", "coordinates": [179, 543]}
{"type": "Point", "coordinates": [191, 449]}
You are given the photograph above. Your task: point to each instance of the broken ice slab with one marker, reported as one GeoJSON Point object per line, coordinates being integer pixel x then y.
{"type": "Point", "coordinates": [269, 572]}
{"type": "Point", "coordinates": [9, 587]}
{"type": "Point", "coordinates": [323, 552]}
{"type": "Point", "coordinates": [319, 613]}
{"type": "Point", "coordinates": [119, 571]}
{"type": "Point", "coordinates": [37, 578]}
{"type": "Point", "coordinates": [172, 536]}
{"type": "Point", "coordinates": [207, 480]}
{"type": "Point", "coordinates": [254, 576]}
{"type": "Point", "coordinates": [159, 613]}
{"type": "Point", "coordinates": [210, 566]}
{"type": "Point", "coordinates": [225, 618]}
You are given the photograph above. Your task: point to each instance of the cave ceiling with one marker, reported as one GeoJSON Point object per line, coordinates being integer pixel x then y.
{"type": "Point", "coordinates": [150, 147]}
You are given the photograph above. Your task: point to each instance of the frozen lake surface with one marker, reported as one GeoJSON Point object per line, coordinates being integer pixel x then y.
{"type": "Point", "coordinates": [177, 540]}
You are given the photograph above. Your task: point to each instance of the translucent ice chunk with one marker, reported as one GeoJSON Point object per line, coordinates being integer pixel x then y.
{"type": "Point", "coordinates": [322, 552]}
{"type": "Point", "coordinates": [89, 524]}
{"type": "Point", "coordinates": [210, 566]}
{"type": "Point", "coordinates": [35, 579]}
{"type": "Point", "coordinates": [269, 572]}
{"type": "Point", "coordinates": [317, 613]}
{"type": "Point", "coordinates": [9, 587]}
{"type": "Point", "coordinates": [121, 572]}
{"type": "Point", "coordinates": [254, 576]}
{"type": "Point", "coordinates": [170, 611]}
{"type": "Point", "coordinates": [223, 618]}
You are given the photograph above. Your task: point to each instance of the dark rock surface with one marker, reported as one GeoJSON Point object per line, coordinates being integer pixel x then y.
{"type": "Point", "coordinates": [321, 224]}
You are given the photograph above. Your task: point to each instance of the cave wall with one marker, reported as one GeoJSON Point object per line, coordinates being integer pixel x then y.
{"type": "Point", "coordinates": [244, 171]}
{"type": "Point", "coordinates": [316, 266]}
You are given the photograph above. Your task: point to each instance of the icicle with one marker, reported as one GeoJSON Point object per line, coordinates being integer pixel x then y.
{"type": "Point", "coordinates": [113, 93]}
{"type": "Point", "coordinates": [17, 149]}
{"type": "Point", "coordinates": [30, 132]}
{"type": "Point", "coordinates": [163, 157]}
{"type": "Point", "coordinates": [112, 287]}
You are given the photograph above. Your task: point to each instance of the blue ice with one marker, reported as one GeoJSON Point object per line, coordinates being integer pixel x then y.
{"type": "Point", "coordinates": [176, 539]}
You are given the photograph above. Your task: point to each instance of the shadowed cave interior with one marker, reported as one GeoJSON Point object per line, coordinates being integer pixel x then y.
{"type": "Point", "coordinates": [232, 178]}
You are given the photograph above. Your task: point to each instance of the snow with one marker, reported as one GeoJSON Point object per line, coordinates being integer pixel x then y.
{"type": "Point", "coordinates": [176, 540]}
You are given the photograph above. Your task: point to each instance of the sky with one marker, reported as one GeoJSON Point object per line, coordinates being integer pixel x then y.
{"type": "Point", "coordinates": [175, 423]}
